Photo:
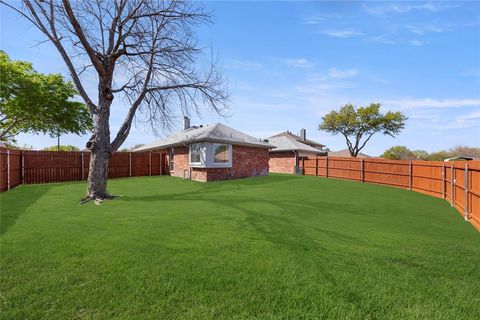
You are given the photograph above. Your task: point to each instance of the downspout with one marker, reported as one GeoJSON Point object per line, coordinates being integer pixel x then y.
{"type": "Point", "coordinates": [189, 166]}
{"type": "Point", "coordinates": [295, 165]}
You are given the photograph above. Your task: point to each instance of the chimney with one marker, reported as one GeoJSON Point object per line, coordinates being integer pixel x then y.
{"type": "Point", "coordinates": [303, 134]}
{"type": "Point", "coordinates": [186, 123]}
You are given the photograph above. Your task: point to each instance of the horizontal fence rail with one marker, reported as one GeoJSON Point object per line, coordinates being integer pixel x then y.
{"type": "Point", "coordinates": [457, 182]}
{"type": "Point", "coordinates": [28, 167]}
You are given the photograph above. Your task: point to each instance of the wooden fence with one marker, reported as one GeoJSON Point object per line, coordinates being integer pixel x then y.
{"type": "Point", "coordinates": [27, 167]}
{"type": "Point", "coordinates": [457, 182]}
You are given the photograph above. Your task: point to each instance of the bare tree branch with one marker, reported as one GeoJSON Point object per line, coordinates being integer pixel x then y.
{"type": "Point", "coordinates": [145, 49]}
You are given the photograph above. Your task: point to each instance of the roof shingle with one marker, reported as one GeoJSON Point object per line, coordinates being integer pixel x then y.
{"type": "Point", "coordinates": [216, 132]}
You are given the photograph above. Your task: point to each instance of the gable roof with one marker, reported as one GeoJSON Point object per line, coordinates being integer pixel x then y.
{"type": "Point", "coordinates": [345, 153]}
{"type": "Point", "coordinates": [216, 132]}
{"type": "Point", "coordinates": [287, 141]}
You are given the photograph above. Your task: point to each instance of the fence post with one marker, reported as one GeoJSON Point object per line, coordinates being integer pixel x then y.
{"type": "Point", "coordinates": [452, 185]}
{"type": "Point", "coordinates": [130, 164]}
{"type": "Point", "coordinates": [83, 166]}
{"type": "Point", "coordinates": [443, 180]}
{"type": "Point", "coordinates": [410, 175]}
{"type": "Point", "coordinates": [326, 168]}
{"type": "Point", "coordinates": [8, 169]}
{"type": "Point", "coordinates": [149, 163]}
{"type": "Point", "coordinates": [465, 206]}
{"type": "Point", "coordinates": [362, 177]}
{"type": "Point", "coordinates": [303, 166]}
{"type": "Point", "coordinates": [23, 167]}
{"type": "Point", "coordinates": [316, 166]}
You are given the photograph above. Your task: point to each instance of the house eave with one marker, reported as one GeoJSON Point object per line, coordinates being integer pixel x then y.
{"type": "Point", "coordinates": [188, 142]}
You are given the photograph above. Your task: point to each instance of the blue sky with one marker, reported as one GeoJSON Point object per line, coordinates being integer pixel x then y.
{"type": "Point", "coordinates": [289, 63]}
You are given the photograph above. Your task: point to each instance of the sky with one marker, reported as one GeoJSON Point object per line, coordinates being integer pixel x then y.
{"type": "Point", "coordinates": [290, 63]}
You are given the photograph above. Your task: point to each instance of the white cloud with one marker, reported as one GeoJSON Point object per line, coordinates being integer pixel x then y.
{"type": "Point", "coordinates": [312, 20]}
{"type": "Point", "coordinates": [406, 103]}
{"type": "Point", "coordinates": [415, 42]}
{"type": "Point", "coordinates": [299, 63]}
{"type": "Point", "coordinates": [470, 117]}
{"type": "Point", "coordinates": [316, 19]}
{"type": "Point", "coordinates": [441, 121]}
{"type": "Point", "coordinates": [341, 74]}
{"type": "Point", "coordinates": [347, 33]}
{"type": "Point", "coordinates": [404, 7]}
{"type": "Point", "coordinates": [384, 40]}
{"type": "Point", "coordinates": [423, 30]}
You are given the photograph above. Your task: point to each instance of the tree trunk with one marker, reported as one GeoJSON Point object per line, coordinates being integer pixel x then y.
{"type": "Point", "coordinates": [99, 145]}
{"type": "Point", "coordinates": [97, 177]}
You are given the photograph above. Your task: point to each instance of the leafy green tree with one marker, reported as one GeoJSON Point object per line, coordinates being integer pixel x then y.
{"type": "Point", "coordinates": [62, 148]}
{"type": "Point", "coordinates": [439, 155]}
{"type": "Point", "coordinates": [37, 103]}
{"type": "Point", "coordinates": [358, 125]}
{"type": "Point", "coordinates": [398, 153]}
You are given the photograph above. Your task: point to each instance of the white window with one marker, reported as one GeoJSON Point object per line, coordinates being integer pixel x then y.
{"type": "Point", "coordinates": [210, 155]}
{"type": "Point", "coordinates": [196, 154]}
{"type": "Point", "coordinates": [221, 153]}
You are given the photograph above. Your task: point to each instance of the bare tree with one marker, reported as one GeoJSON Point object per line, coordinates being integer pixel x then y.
{"type": "Point", "coordinates": [143, 51]}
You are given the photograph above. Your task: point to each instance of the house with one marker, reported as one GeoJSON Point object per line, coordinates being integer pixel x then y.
{"type": "Point", "coordinates": [345, 153]}
{"type": "Point", "coordinates": [290, 149]}
{"type": "Point", "coordinates": [213, 152]}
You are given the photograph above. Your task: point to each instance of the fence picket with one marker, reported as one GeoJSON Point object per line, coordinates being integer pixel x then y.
{"type": "Point", "coordinates": [8, 169]}
{"type": "Point", "coordinates": [452, 184]}
{"type": "Point", "coordinates": [465, 205]}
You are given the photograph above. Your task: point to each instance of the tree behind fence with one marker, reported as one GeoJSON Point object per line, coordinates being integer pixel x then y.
{"type": "Point", "coordinates": [27, 167]}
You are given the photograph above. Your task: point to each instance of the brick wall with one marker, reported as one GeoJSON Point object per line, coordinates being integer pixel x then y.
{"type": "Point", "coordinates": [282, 162]}
{"type": "Point", "coordinates": [181, 163]}
{"type": "Point", "coordinates": [246, 162]}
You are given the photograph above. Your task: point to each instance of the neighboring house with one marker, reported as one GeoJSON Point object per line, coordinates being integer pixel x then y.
{"type": "Point", "coordinates": [290, 149]}
{"type": "Point", "coordinates": [213, 152]}
{"type": "Point", "coordinates": [345, 153]}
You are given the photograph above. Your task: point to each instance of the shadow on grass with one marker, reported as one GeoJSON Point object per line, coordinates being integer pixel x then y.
{"type": "Point", "coordinates": [281, 224]}
{"type": "Point", "coordinates": [24, 197]}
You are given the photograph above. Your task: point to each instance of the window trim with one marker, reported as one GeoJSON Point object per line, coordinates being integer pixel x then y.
{"type": "Point", "coordinates": [202, 155]}
{"type": "Point", "coordinates": [207, 156]}
{"type": "Point", "coordinates": [221, 164]}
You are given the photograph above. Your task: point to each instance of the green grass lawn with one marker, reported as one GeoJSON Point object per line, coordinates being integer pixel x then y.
{"type": "Point", "coordinates": [278, 247]}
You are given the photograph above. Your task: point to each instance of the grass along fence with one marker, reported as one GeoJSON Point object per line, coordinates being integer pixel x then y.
{"type": "Point", "coordinates": [457, 182]}
{"type": "Point", "coordinates": [28, 167]}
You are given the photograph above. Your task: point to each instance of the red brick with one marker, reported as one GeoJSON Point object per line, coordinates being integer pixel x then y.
{"type": "Point", "coordinates": [282, 162]}
{"type": "Point", "coordinates": [246, 162]}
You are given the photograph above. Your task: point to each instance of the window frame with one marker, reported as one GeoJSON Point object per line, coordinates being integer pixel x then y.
{"type": "Point", "coordinates": [207, 156]}
{"type": "Point", "coordinates": [221, 164]}
{"type": "Point", "coordinates": [202, 155]}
